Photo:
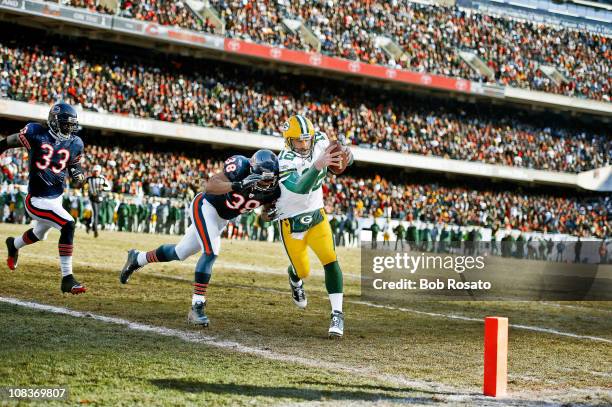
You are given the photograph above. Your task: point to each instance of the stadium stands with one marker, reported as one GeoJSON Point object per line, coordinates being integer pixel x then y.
{"type": "Point", "coordinates": [91, 5]}
{"type": "Point", "coordinates": [431, 37]}
{"type": "Point", "coordinates": [190, 91]}
{"type": "Point", "coordinates": [173, 174]}
{"type": "Point", "coordinates": [498, 209]}
{"type": "Point", "coordinates": [164, 12]}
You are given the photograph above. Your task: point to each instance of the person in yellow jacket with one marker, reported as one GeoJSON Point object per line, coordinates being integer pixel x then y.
{"type": "Point", "coordinates": [300, 209]}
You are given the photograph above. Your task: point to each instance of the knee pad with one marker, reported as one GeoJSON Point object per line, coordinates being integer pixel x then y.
{"type": "Point", "coordinates": [205, 264]}
{"type": "Point", "coordinates": [67, 232]}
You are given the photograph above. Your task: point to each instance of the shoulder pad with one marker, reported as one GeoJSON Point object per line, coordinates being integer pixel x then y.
{"type": "Point", "coordinates": [319, 136]}
{"type": "Point", "coordinates": [32, 129]}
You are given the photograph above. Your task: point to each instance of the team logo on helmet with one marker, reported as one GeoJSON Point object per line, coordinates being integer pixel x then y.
{"type": "Point", "coordinates": [285, 126]}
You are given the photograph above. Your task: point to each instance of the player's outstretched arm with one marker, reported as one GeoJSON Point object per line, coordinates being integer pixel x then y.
{"type": "Point", "coordinates": [11, 141]}
{"type": "Point", "coordinates": [219, 184]}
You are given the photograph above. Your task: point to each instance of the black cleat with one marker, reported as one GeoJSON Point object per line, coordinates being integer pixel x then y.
{"type": "Point", "coordinates": [298, 294]}
{"type": "Point", "coordinates": [131, 265]}
{"type": "Point", "coordinates": [13, 253]}
{"type": "Point", "coordinates": [70, 285]}
{"type": "Point", "coordinates": [197, 314]}
{"type": "Point", "coordinates": [336, 325]}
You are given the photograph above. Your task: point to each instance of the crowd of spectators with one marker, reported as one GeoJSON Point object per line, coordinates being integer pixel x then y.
{"type": "Point", "coordinates": [258, 21]}
{"type": "Point", "coordinates": [93, 5]}
{"type": "Point", "coordinates": [164, 12]}
{"type": "Point", "coordinates": [430, 37]}
{"type": "Point", "coordinates": [239, 98]}
{"type": "Point", "coordinates": [178, 175]}
{"type": "Point", "coordinates": [437, 202]}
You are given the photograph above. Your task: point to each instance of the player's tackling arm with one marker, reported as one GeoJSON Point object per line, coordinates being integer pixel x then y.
{"type": "Point", "coordinates": [11, 141]}
{"type": "Point", "coordinates": [219, 184]}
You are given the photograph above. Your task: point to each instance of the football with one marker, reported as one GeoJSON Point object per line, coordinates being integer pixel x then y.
{"type": "Point", "coordinates": [339, 169]}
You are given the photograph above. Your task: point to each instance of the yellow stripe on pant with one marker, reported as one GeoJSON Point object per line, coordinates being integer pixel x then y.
{"type": "Point", "coordinates": [319, 238]}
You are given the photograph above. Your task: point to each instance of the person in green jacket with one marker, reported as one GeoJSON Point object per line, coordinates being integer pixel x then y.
{"type": "Point", "coordinates": [445, 240]}
{"type": "Point", "coordinates": [412, 235]}
{"type": "Point", "coordinates": [375, 229]}
{"type": "Point", "coordinates": [133, 219]}
{"type": "Point", "coordinates": [20, 207]}
{"type": "Point", "coordinates": [123, 214]}
{"type": "Point", "coordinates": [251, 232]}
{"type": "Point", "coordinates": [400, 234]}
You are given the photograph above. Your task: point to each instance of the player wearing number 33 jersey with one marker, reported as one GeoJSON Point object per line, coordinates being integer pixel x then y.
{"type": "Point", "coordinates": [53, 150]}
{"type": "Point", "coordinates": [242, 186]}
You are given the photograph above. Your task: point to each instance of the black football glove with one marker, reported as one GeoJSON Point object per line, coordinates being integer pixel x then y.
{"type": "Point", "coordinates": [272, 213]}
{"type": "Point", "coordinates": [246, 183]}
{"type": "Point", "coordinates": [77, 174]}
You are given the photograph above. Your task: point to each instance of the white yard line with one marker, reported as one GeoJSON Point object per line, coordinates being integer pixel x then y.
{"type": "Point", "coordinates": [364, 303]}
{"type": "Point", "coordinates": [414, 311]}
{"type": "Point", "coordinates": [443, 393]}
{"type": "Point", "coordinates": [463, 318]}
{"type": "Point", "coordinates": [198, 337]}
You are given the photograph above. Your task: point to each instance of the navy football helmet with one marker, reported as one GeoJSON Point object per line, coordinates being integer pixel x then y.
{"type": "Point", "coordinates": [265, 163]}
{"type": "Point", "coordinates": [63, 121]}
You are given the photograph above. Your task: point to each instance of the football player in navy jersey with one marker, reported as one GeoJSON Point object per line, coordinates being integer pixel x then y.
{"type": "Point", "coordinates": [242, 186]}
{"type": "Point", "coordinates": [53, 149]}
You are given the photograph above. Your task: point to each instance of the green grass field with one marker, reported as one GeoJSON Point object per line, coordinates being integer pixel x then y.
{"type": "Point", "coordinates": [261, 350]}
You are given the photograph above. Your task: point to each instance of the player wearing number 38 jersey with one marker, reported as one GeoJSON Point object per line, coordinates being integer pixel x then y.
{"type": "Point", "coordinates": [53, 151]}
{"type": "Point", "coordinates": [242, 186]}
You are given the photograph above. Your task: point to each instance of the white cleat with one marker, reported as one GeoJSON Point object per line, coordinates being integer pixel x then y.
{"type": "Point", "coordinates": [336, 325]}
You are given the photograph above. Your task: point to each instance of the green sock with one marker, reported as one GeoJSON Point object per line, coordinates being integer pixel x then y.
{"type": "Point", "coordinates": [292, 275]}
{"type": "Point", "coordinates": [333, 278]}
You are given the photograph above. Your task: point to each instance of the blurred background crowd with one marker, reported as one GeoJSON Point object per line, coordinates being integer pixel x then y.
{"type": "Point", "coordinates": [169, 179]}
{"type": "Point", "coordinates": [430, 38]}
{"type": "Point", "coordinates": [183, 90]}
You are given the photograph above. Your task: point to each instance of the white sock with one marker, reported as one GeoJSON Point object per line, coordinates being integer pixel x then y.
{"type": "Point", "coordinates": [298, 284]}
{"type": "Point", "coordinates": [19, 243]}
{"type": "Point", "coordinates": [196, 297]}
{"type": "Point", "coordinates": [66, 265]}
{"type": "Point", "coordinates": [142, 259]}
{"type": "Point", "coordinates": [336, 301]}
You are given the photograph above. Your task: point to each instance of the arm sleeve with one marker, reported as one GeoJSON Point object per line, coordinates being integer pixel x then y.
{"type": "Point", "coordinates": [301, 184]}
{"type": "Point", "coordinates": [75, 160]}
